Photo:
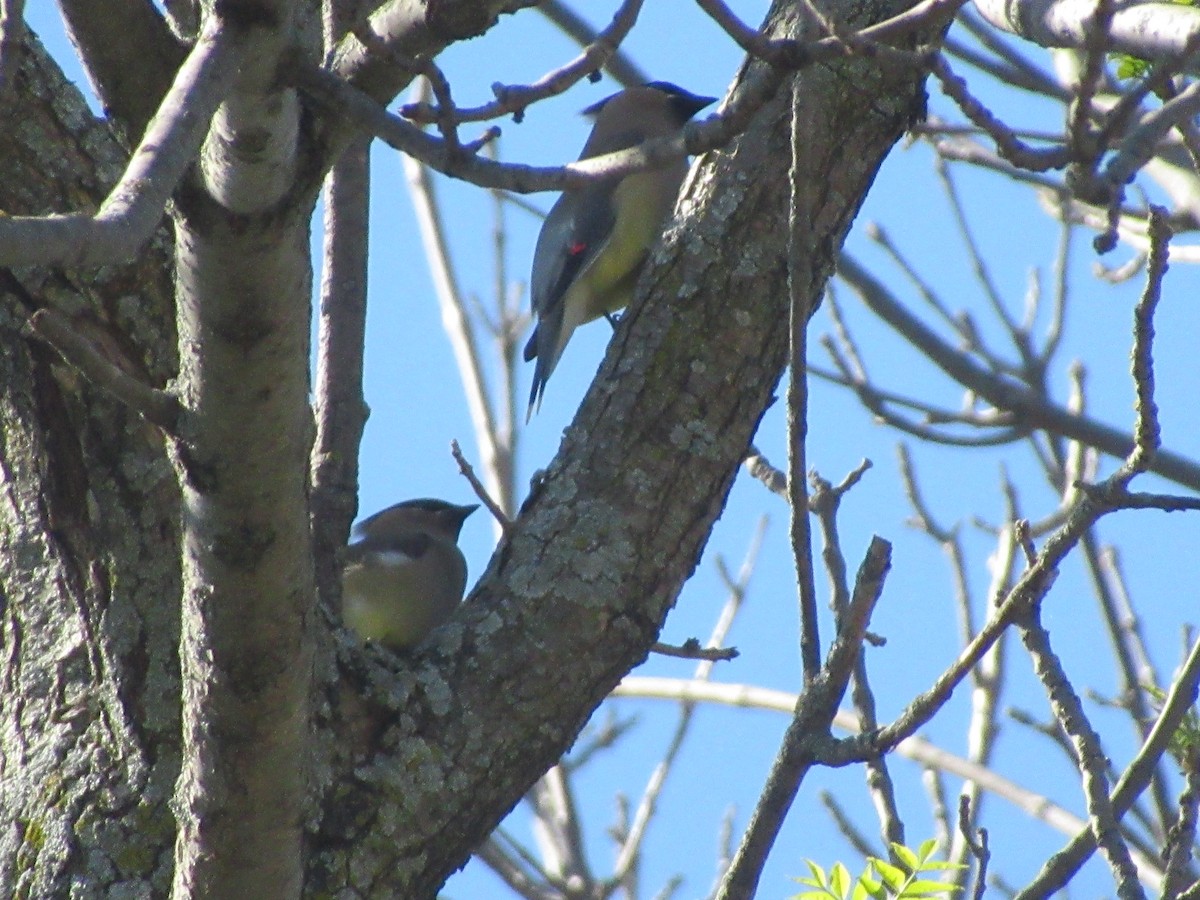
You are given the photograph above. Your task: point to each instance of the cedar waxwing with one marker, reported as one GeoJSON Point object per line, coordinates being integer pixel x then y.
{"type": "Point", "coordinates": [595, 239]}
{"type": "Point", "coordinates": [406, 575]}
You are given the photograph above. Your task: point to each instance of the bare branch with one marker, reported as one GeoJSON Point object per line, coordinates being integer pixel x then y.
{"type": "Point", "coordinates": [133, 209]}
{"type": "Point", "coordinates": [630, 847]}
{"type": "Point", "coordinates": [341, 99]}
{"type": "Point", "coordinates": [785, 53]}
{"type": "Point", "coordinates": [806, 740]}
{"type": "Point", "coordinates": [468, 472]}
{"type": "Point", "coordinates": [1182, 835]}
{"type": "Point", "coordinates": [1133, 697]}
{"type": "Point", "coordinates": [338, 404]}
{"type": "Point", "coordinates": [513, 99]}
{"type": "Point", "coordinates": [1155, 32]}
{"type": "Point", "coordinates": [1032, 410]}
{"type": "Point", "coordinates": [761, 469]}
{"type": "Point", "coordinates": [691, 649]}
{"type": "Point", "coordinates": [1092, 763]}
{"type": "Point", "coordinates": [859, 841]}
{"type": "Point", "coordinates": [156, 406]}
{"type": "Point", "coordinates": [1138, 147]}
{"type": "Point", "coordinates": [918, 749]}
{"type": "Point", "coordinates": [1081, 140]}
{"type": "Point", "coordinates": [506, 857]}
{"type": "Point", "coordinates": [496, 459]}
{"type": "Point", "coordinates": [1147, 436]}
{"type": "Point", "coordinates": [619, 65]}
{"type": "Point", "coordinates": [1011, 148]}
{"type": "Point", "coordinates": [1059, 869]}
{"type": "Point", "coordinates": [799, 313]}
{"type": "Point", "coordinates": [977, 842]}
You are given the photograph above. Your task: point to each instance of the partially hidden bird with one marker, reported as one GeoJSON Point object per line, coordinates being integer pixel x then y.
{"type": "Point", "coordinates": [595, 239]}
{"type": "Point", "coordinates": [406, 575]}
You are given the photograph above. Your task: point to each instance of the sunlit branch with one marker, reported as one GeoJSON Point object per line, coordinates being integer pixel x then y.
{"type": "Point", "coordinates": [135, 206]}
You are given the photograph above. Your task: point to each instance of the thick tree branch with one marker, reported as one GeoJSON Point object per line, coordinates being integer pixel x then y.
{"type": "Point", "coordinates": [107, 36]}
{"type": "Point", "coordinates": [247, 648]}
{"type": "Point", "coordinates": [603, 543]}
{"type": "Point", "coordinates": [1158, 32]}
{"type": "Point", "coordinates": [135, 207]}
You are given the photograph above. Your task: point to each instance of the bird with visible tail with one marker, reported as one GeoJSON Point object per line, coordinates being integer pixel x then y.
{"type": "Point", "coordinates": [596, 238]}
{"type": "Point", "coordinates": [406, 575]}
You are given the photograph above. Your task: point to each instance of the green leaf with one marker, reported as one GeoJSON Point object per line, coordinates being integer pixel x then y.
{"type": "Point", "coordinates": [818, 875]}
{"type": "Point", "coordinates": [874, 888]}
{"type": "Point", "coordinates": [928, 888]}
{"type": "Point", "coordinates": [926, 849]}
{"type": "Point", "coordinates": [938, 865]}
{"type": "Point", "coordinates": [892, 876]}
{"type": "Point", "coordinates": [906, 856]}
{"type": "Point", "coordinates": [840, 880]}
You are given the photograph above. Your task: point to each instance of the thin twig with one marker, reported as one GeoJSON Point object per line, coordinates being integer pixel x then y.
{"type": "Point", "coordinates": [1181, 836]}
{"type": "Point", "coordinates": [340, 99]}
{"type": "Point", "coordinates": [857, 840]}
{"type": "Point", "coordinates": [1011, 148]}
{"type": "Point", "coordinates": [1036, 805]}
{"type": "Point", "coordinates": [154, 405]}
{"type": "Point", "coordinates": [514, 99]}
{"type": "Point", "coordinates": [1032, 410]}
{"type": "Point", "coordinates": [1147, 437]}
{"type": "Point", "coordinates": [691, 649]}
{"type": "Point", "coordinates": [1138, 147]}
{"type": "Point", "coordinates": [620, 65]}
{"type": "Point", "coordinates": [977, 841]}
{"type": "Point", "coordinates": [1062, 866]}
{"type": "Point", "coordinates": [630, 848]}
{"type": "Point", "coordinates": [797, 399]}
{"type": "Point", "coordinates": [468, 472]}
{"type": "Point", "coordinates": [1092, 763]}
{"type": "Point", "coordinates": [457, 325]}
{"type": "Point", "coordinates": [806, 741]}
{"type": "Point", "coordinates": [1133, 698]}
{"type": "Point", "coordinates": [761, 469]}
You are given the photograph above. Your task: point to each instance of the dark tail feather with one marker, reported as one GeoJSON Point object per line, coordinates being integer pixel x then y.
{"type": "Point", "coordinates": [536, 390]}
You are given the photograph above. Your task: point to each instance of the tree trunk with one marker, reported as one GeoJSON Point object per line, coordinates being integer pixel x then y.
{"type": "Point", "coordinates": [89, 550]}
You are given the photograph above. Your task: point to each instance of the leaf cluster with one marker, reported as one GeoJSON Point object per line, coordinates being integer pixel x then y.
{"type": "Point", "coordinates": [883, 880]}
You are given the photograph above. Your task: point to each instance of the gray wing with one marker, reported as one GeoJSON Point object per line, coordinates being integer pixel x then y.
{"type": "Point", "coordinates": [572, 236]}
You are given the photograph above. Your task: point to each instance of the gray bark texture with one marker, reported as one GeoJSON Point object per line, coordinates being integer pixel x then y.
{"type": "Point", "coordinates": [89, 549]}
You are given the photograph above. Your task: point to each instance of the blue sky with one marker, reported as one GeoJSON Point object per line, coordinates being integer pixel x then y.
{"type": "Point", "coordinates": [417, 408]}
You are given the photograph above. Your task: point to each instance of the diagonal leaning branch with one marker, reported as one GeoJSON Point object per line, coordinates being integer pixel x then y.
{"type": "Point", "coordinates": [135, 206]}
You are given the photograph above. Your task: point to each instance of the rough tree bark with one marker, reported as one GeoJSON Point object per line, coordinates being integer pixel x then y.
{"type": "Point", "coordinates": [89, 551]}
